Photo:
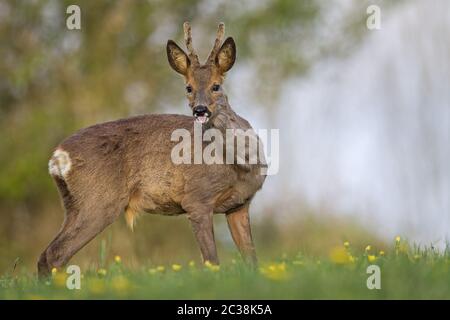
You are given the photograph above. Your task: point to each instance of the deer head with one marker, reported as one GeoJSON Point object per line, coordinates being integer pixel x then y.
{"type": "Point", "coordinates": [204, 81]}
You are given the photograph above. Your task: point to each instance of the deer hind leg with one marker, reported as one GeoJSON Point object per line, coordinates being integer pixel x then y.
{"type": "Point", "coordinates": [82, 223]}
{"type": "Point", "coordinates": [239, 225]}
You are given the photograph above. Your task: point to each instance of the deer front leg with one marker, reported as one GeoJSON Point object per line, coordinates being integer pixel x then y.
{"type": "Point", "coordinates": [239, 225]}
{"type": "Point", "coordinates": [202, 225]}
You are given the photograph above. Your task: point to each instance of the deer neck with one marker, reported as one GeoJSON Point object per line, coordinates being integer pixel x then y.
{"type": "Point", "coordinates": [227, 118]}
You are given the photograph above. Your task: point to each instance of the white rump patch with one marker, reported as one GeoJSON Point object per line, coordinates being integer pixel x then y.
{"type": "Point", "coordinates": [60, 163]}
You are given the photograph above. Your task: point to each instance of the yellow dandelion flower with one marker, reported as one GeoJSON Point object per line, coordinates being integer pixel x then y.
{"type": "Point", "coordinates": [192, 263]}
{"type": "Point", "coordinates": [339, 255]}
{"type": "Point", "coordinates": [160, 268]}
{"type": "Point", "coordinates": [215, 268]}
{"type": "Point", "coordinates": [346, 244]}
{"type": "Point", "coordinates": [59, 279]}
{"type": "Point", "coordinates": [176, 267]}
{"type": "Point", "coordinates": [208, 264]}
{"type": "Point", "coordinates": [368, 248]}
{"type": "Point", "coordinates": [381, 253]}
{"type": "Point", "coordinates": [211, 267]}
{"type": "Point", "coordinates": [397, 239]}
{"type": "Point", "coordinates": [351, 258]}
{"type": "Point", "coordinates": [371, 258]}
{"type": "Point", "coordinates": [117, 259]}
{"type": "Point", "coordinates": [54, 270]}
{"type": "Point", "coordinates": [102, 272]}
{"type": "Point", "coordinates": [276, 272]}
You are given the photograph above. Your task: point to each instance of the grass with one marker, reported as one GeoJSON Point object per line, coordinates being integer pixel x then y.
{"type": "Point", "coordinates": [407, 272]}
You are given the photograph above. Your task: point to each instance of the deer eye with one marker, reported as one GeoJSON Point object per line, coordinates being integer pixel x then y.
{"type": "Point", "coordinates": [216, 87]}
{"type": "Point", "coordinates": [188, 89]}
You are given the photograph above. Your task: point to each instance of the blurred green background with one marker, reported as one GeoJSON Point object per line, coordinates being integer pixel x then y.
{"type": "Point", "coordinates": [54, 81]}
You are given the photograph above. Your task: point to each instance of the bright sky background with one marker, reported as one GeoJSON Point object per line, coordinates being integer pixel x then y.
{"type": "Point", "coordinates": [368, 135]}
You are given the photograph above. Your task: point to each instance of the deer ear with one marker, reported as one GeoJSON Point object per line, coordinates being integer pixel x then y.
{"type": "Point", "coordinates": [178, 60]}
{"type": "Point", "coordinates": [226, 56]}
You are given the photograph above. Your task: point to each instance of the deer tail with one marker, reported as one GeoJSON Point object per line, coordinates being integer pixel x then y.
{"type": "Point", "coordinates": [130, 217]}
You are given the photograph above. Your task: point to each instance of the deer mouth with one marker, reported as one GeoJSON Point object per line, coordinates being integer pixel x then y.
{"type": "Point", "coordinates": [202, 119]}
{"type": "Point", "coordinates": [202, 116]}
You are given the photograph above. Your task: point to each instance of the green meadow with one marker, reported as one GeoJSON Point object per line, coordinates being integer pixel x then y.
{"type": "Point", "coordinates": [406, 272]}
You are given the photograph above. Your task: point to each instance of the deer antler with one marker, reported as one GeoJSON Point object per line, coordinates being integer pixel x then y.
{"type": "Point", "coordinates": [217, 43]}
{"type": "Point", "coordinates": [188, 39]}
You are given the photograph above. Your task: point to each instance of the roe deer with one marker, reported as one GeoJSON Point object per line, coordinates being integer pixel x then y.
{"type": "Point", "coordinates": [125, 166]}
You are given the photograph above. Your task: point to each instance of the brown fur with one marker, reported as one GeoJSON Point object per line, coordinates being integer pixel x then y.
{"type": "Point", "coordinates": [125, 166]}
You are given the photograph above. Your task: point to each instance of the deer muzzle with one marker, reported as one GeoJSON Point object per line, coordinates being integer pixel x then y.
{"type": "Point", "coordinates": [201, 114]}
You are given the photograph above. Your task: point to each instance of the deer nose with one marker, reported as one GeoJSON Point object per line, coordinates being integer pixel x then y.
{"type": "Point", "coordinates": [200, 110]}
